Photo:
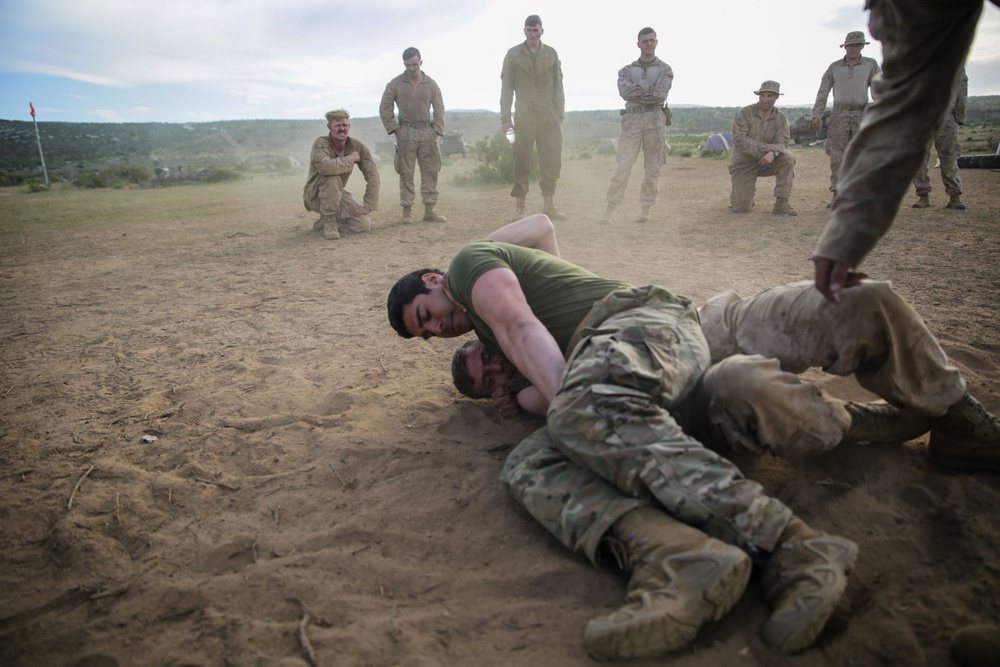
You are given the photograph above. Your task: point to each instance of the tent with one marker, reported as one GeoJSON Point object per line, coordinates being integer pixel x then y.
{"type": "Point", "coordinates": [716, 142]}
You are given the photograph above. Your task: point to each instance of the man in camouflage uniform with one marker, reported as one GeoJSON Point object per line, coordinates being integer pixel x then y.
{"type": "Point", "coordinates": [532, 73]}
{"type": "Point", "coordinates": [924, 43]}
{"type": "Point", "coordinates": [331, 163]}
{"type": "Point", "coordinates": [613, 470]}
{"type": "Point", "coordinates": [417, 132]}
{"type": "Point", "coordinates": [760, 148]}
{"type": "Point", "coordinates": [849, 78]}
{"type": "Point", "coordinates": [644, 85]}
{"type": "Point", "coordinates": [949, 149]}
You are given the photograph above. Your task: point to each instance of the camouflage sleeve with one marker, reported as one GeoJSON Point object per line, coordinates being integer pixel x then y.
{"type": "Point", "coordinates": [741, 135]}
{"type": "Point", "coordinates": [385, 109]}
{"type": "Point", "coordinates": [825, 85]}
{"type": "Point", "coordinates": [369, 169]}
{"type": "Point", "coordinates": [783, 135]}
{"type": "Point", "coordinates": [663, 85]}
{"type": "Point", "coordinates": [506, 88]}
{"type": "Point", "coordinates": [437, 102]}
{"type": "Point", "coordinates": [326, 161]}
{"type": "Point", "coordinates": [558, 94]}
{"type": "Point", "coordinates": [961, 100]}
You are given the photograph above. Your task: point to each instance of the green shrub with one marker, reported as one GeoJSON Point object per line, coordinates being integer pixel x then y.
{"type": "Point", "coordinates": [684, 152]}
{"type": "Point", "coordinates": [35, 185]}
{"type": "Point", "coordinates": [495, 159]}
{"type": "Point", "coordinates": [115, 176]}
{"type": "Point", "coordinates": [714, 153]}
{"type": "Point", "coordinates": [219, 174]}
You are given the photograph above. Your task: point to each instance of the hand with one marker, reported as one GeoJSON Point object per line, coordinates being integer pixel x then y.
{"type": "Point", "coordinates": [355, 157]}
{"type": "Point", "coordinates": [506, 126]}
{"type": "Point", "coordinates": [361, 210]}
{"type": "Point", "coordinates": [767, 159]}
{"type": "Point", "coordinates": [505, 402]}
{"type": "Point", "coordinates": [816, 123]}
{"type": "Point", "coordinates": [833, 277]}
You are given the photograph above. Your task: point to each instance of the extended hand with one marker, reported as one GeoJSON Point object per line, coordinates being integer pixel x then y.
{"type": "Point", "coordinates": [833, 277]}
{"type": "Point", "coordinates": [505, 402]}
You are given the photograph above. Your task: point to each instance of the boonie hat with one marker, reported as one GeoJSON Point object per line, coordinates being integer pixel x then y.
{"type": "Point", "coordinates": [337, 114]}
{"type": "Point", "coordinates": [769, 87]}
{"type": "Point", "coordinates": [854, 37]}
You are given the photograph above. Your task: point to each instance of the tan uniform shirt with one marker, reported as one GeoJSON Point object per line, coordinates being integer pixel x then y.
{"type": "Point", "coordinates": [850, 84]}
{"type": "Point", "coordinates": [752, 133]}
{"type": "Point", "coordinates": [534, 78]}
{"type": "Point", "coordinates": [414, 105]}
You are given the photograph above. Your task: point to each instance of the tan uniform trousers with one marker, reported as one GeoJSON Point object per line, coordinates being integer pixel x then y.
{"type": "Point", "coordinates": [537, 125]}
{"type": "Point", "coordinates": [417, 146]}
{"type": "Point", "coordinates": [842, 127]}
{"type": "Point", "coordinates": [646, 131]}
{"type": "Point", "coordinates": [756, 401]}
{"type": "Point", "coordinates": [745, 174]}
{"type": "Point", "coordinates": [949, 150]}
{"type": "Point", "coordinates": [327, 196]}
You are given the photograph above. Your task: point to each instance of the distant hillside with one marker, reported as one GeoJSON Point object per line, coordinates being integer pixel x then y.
{"type": "Point", "coordinates": [70, 147]}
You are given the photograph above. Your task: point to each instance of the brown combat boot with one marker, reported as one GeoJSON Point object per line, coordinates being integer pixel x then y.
{"type": "Point", "coordinates": [318, 225]}
{"type": "Point", "coordinates": [550, 209]}
{"type": "Point", "coordinates": [802, 580]}
{"type": "Point", "coordinates": [966, 438]}
{"type": "Point", "coordinates": [923, 201]}
{"type": "Point", "coordinates": [679, 579]}
{"type": "Point", "coordinates": [884, 423]}
{"type": "Point", "coordinates": [519, 211]}
{"type": "Point", "coordinates": [430, 215]}
{"type": "Point", "coordinates": [407, 218]}
{"type": "Point", "coordinates": [781, 207]}
{"type": "Point", "coordinates": [643, 215]}
{"type": "Point", "coordinates": [955, 203]}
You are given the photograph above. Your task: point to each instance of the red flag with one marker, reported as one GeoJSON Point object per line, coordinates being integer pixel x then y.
{"type": "Point", "coordinates": [32, 109]}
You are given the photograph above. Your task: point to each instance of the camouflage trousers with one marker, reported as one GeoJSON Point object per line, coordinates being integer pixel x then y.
{"type": "Point", "coordinates": [647, 132]}
{"type": "Point", "coordinates": [417, 147]}
{"type": "Point", "coordinates": [949, 150]}
{"type": "Point", "coordinates": [615, 439]}
{"type": "Point", "coordinates": [327, 196]}
{"type": "Point", "coordinates": [756, 402]}
{"type": "Point", "coordinates": [841, 128]}
{"type": "Point", "coordinates": [745, 172]}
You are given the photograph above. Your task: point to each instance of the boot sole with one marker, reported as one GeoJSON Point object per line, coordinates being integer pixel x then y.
{"type": "Point", "coordinates": [942, 441]}
{"type": "Point", "coordinates": [795, 629]}
{"type": "Point", "coordinates": [644, 629]}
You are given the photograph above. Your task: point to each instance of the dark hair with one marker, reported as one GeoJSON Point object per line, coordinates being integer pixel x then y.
{"type": "Point", "coordinates": [533, 20]}
{"type": "Point", "coordinates": [460, 372]}
{"type": "Point", "coordinates": [646, 31]}
{"type": "Point", "coordinates": [410, 52]}
{"type": "Point", "coordinates": [406, 289]}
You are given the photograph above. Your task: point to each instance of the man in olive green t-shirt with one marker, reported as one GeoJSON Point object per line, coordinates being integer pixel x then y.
{"type": "Point", "coordinates": [613, 468]}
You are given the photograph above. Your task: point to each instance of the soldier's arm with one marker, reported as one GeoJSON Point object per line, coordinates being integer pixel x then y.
{"type": "Point", "coordinates": [386, 111]}
{"type": "Point", "coordinates": [437, 103]}
{"type": "Point", "coordinates": [535, 231]}
{"type": "Point", "coordinates": [825, 85]}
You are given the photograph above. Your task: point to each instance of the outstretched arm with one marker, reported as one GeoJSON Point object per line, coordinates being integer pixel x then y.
{"type": "Point", "coordinates": [535, 231]}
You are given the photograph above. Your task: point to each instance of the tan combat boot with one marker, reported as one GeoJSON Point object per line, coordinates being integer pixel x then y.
{"type": "Point", "coordinates": [679, 579]}
{"type": "Point", "coordinates": [884, 423]}
{"type": "Point", "coordinates": [955, 203]}
{"type": "Point", "coordinates": [781, 207]}
{"type": "Point", "coordinates": [643, 215]}
{"type": "Point", "coordinates": [966, 438]}
{"type": "Point", "coordinates": [976, 646]}
{"type": "Point", "coordinates": [330, 228]}
{"type": "Point", "coordinates": [430, 215]}
{"type": "Point", "coordinates": [318, 225]}
{"type": "Point", "coordinates": [550, 209]}
{"type": "Point", "coordinates": [407, 218]}
{"type": "Point", "coordinates": [608, 213]}
{"type": "Point", "coordinates": [923, 201]}
{"type": "Point", "coordinates": [802, 580]}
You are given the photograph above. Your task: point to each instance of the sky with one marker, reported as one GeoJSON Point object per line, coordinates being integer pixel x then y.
{"type": "Point", "coordinates": [179, 61]}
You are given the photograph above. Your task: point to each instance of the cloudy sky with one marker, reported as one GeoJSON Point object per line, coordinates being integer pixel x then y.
{"type": "Point", "coordinates": [207, 60]}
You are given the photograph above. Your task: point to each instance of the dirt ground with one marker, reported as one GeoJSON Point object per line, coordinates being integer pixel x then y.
{"type": "Point", "coordinates": [213, 446]}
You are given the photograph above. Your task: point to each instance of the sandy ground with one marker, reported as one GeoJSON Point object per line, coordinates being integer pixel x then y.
{"type": "Point", "coordinates": [207, 430]}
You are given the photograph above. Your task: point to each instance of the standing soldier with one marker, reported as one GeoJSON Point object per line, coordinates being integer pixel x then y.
{"type": "Point", "coordinates": [331, 163]}
{"type": "Point", "coordinates": [850, 78]}
{"type": "Point", "coordinates": [644, 86]}
{"type": "Point", "coordinates": [949, 150]}
{"type": "Point", "coordinates": [532, 72]}
{"type": "Point", "coordinates": [760, 148]}
{"type": "Point", "coordinates": [414, 93]}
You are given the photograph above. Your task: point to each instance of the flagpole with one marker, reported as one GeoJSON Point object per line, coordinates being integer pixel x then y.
{"type": "Point", "coordinates": [38, 138]}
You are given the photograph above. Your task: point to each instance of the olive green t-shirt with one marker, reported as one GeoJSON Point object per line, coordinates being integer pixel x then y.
{"type": "Point", "coordinates": [559, 293]}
